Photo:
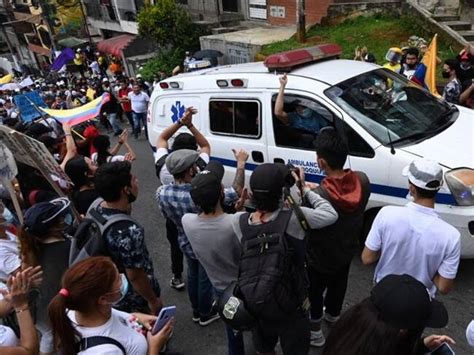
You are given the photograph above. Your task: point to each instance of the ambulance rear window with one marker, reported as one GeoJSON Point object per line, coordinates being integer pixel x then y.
{"type": "Point", "coordinates": [235, 117]}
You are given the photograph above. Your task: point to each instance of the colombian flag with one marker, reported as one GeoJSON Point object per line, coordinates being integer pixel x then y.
{"type": "Point", "coordinates": [425, 74]}
{"type": "Point", "coordinates": [79, 114]}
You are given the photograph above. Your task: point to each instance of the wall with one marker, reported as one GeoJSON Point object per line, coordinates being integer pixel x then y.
{"type": "Point", "coordinates": [315, 11]}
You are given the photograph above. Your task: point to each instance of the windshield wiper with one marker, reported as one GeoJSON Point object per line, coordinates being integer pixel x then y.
{"type": "Point", "coordinates": [413, 137]}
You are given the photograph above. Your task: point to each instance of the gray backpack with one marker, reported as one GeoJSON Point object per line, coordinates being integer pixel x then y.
{"type": "Point", "coordinates": [88, 240]}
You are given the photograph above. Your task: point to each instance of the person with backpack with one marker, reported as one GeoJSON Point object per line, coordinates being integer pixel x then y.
{"type": "Point", "coordinates": [44, 242]}
{"type": "Point", "coordinates": [272, 279]}
{"type": "Point", "coordinates": [175, 201]}
{"type": "Point", "coordinates": [124, 241]}
{"type": "Point", "coordinates": [331, 249]}
{"type": "Point", "coordinates": [213, 239]}
{"type": "Point", "coordinates": [83, 318]}
{"type": "Point", "coordinates": [183, 140]}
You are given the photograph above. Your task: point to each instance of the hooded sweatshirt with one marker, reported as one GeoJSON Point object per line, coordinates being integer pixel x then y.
{"type": "Point", "coordinates": [332, 248]}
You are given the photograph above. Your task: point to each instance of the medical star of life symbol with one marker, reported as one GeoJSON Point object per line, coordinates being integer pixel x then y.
{"type": "Point", "coordinates": [178, 111]}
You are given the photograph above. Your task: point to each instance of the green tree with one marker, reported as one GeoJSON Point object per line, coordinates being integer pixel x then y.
{"type": "Point", "coordinates": [169, 25]}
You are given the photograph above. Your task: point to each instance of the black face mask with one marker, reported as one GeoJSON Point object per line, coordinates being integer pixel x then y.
{"type": "Point", "coordinates": [131, 197]}
{"type": "Point", "coordinates": [445, 74]}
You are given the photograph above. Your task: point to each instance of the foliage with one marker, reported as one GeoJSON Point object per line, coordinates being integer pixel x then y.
{"type": "Point", "coordinates": [164, 62]}
{"type": "Point", "coordinates": [378, 33]}
{"type": "Point", "coordinates": [169, 25]}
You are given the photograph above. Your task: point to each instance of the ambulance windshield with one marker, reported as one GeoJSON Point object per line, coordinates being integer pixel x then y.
{"type": "Point", "coordinates": [393, 110]}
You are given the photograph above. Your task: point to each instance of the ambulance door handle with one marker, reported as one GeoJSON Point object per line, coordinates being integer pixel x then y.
{"type": "Point", "coordinates": [257, 156]}
{"type": "Point", "coordinates": [278, 160]}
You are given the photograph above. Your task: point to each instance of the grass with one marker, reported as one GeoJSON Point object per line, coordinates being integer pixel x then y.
{"type": "Point", "coordinates": [377, 32]}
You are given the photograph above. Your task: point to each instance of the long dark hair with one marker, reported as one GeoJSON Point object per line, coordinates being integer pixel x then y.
{"type": "Point", "coordinates": [102, 144]}
{"type": "Point", "coordinates": [30, 243]}
{"type": "Point", "coordinates": [84, 283]}
{"type": "Point", "coordinates": [359, 331]}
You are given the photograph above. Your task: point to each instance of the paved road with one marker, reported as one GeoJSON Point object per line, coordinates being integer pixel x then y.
{"type": "Point", "coordinates": [190, 338]}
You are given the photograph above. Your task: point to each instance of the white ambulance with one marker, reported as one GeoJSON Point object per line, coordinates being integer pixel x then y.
{"type": "Point", "coordinates": [386, 120]}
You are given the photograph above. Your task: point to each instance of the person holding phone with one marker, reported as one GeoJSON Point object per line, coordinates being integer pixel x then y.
{"type": "Point", "coordinates": [84, 307]}
{"type": "Point", "coordinates": [390, 321]}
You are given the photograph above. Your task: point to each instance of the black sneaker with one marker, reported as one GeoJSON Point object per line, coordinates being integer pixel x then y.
{"type": "Point", "coordinates": [206, 320]}
{"type": "Point", "coordinates": [177, 283]}
{"type": "Point", "coordinates": [196, 317]}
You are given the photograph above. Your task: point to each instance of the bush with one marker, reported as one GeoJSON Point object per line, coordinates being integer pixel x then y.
{"type": "Point", "coordinates": [163, 61]}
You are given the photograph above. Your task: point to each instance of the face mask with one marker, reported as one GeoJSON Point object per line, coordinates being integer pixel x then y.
{"type": "Point", "coordinates": [123, 289]}
{"type": "Point", "coordinates": [8, 217]}
{"type": "Point", "coordinates": [68, 219]}
{"type": "Point", "coordinates": [445, 74]}
{"type": "Point", "coordinates": [306, 113]}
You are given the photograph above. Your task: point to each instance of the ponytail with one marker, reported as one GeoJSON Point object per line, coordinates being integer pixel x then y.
{"type": "Point", "coordinates": [82, 285]}
{"type": "Point", "coordinates": [102, 145]}
{"type": "Point", "coordinates": [64, 333]}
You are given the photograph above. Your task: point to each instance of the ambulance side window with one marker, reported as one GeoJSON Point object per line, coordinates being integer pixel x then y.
{"type": "Point", "coordinates": [235, 117]}
{"type": "Point", "coordinates": [358, 147]}
{"type": "Point", "coordinates": [306, 118]}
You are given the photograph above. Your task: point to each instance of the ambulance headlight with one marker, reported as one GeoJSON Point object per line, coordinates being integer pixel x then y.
{"type": "Point", "coordinates": [461, 183]}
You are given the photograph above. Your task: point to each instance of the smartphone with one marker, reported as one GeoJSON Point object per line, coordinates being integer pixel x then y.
{"type": "Point", "coordinates": [443, 349]}
{"type": "Point", "coordinates": [164, 316]}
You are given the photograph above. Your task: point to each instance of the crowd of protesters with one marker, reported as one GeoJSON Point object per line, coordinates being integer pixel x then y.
{"type": "Point", "coordinates": [109, 303]}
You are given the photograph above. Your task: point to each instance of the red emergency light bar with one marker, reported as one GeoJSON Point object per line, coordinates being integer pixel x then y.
{"type": "Point", "coordinates": [285, 61]}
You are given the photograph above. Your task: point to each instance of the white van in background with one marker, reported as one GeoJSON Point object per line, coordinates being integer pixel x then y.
{"type": "Point", "coordinates": [386, 120]}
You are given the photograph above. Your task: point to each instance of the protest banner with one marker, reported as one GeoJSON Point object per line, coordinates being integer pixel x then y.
{"type": "Point", "coordinates": [33, 153]}
{"type": "Point", "coordinates": [8, 171]}
{"type": "Point", "coordinates": [28, 105]}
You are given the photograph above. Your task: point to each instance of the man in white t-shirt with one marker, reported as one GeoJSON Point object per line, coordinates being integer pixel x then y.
{"type": "Point", "coordinates": [139, 101]}
{"type": "Point", "coordinates": [413, 239]}
{"type": "Point", "coordinates": [182, 141]}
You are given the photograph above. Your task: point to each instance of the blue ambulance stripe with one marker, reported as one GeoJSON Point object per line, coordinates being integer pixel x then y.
{"type": "Point", "coordinates": [446, 199]}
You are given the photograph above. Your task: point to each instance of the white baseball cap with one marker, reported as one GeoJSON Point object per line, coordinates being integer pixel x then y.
{"type": "Point", "coordinates": [425, 174]}
{"type": "Point", "coordinates": [105, 80]}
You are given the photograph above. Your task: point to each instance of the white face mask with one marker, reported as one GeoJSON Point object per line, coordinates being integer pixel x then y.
{"type": "Point", "coordinates": [8, 217]}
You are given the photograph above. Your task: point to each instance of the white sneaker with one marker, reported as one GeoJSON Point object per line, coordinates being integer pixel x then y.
{"type": "Point", "coordinates": [330, 319]}
{"type": "Point", "coordinates": [317, 339]}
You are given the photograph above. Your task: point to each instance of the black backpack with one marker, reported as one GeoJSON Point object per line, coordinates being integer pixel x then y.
{"type": "Point", "coordinates": [90, 342]}
{"type": "Point", "coordinates": [271, 281]}
{"type": "Point", "coordinates": [88, 240]}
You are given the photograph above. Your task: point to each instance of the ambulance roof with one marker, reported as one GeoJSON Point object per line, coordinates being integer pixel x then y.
{"type": "Point", "coordinates": [330, 71]}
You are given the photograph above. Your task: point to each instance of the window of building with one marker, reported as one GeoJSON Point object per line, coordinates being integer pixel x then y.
{"type": "Point", "coordinates": [304, 119]}
{"type": "Point", "coordinates": [235, 117]}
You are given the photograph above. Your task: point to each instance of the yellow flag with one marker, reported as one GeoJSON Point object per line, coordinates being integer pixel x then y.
{"type": "Point", "coordinates": [429, 61]}
{"type": "Point", "coordinates": [6, 79]}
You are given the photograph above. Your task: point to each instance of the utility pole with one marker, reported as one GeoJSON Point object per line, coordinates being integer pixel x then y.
{"type": "Point", "coordinates": [300, 21]}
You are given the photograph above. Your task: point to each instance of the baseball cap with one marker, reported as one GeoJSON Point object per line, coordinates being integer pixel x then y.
{"type": "Point", "coordinates": [206, 186]}
{"type": "Point", "coordinates": [425, 174]}
{"type": "Point", "coordinates": [38, 217]}
{"type": "Point", "coordinates": [180, 160]}
{"type": "Point", "coordinates": [269, 178]}
{"type": "Point", "coordinates": [105, 80]}
{"type": "Point", "coordinates": [405, 302]}
{"type": "Point", "coordinates": [184, 141]}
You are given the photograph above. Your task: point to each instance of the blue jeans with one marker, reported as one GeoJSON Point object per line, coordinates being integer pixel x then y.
{"type": "Point", "coordinates": [199, 288]}
{"type": "Point", "coordinates": [114, 122]}
{"type": "Point", "coordinates": [235, 339]}
{"type": "Point", "coordinates": [139, 119]}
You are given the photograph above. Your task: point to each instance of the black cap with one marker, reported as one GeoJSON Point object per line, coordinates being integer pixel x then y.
{"type": "Point", "coordinates": [206, 186]}
{"type": "Point", "coordinates": [39, 217]}
{"type": "Point", "coordinates": [406, 303]}
{"type": "Point", "coordinates": [269, 178]}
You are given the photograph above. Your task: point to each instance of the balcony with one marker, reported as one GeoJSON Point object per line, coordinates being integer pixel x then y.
{"type": "Point", "coordinates": [127, 15]}
{"type": "Point", "coordinates": [101, 12]}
